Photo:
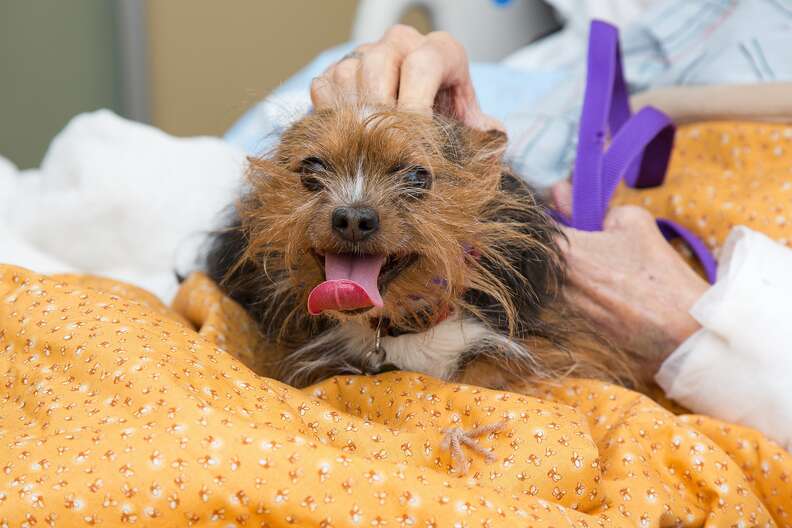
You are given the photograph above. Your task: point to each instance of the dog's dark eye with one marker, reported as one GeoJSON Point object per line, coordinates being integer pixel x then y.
{"type": "Point", "coordinates": [417, 179]}
{"type": "Point", "coordinates": [309, 168]}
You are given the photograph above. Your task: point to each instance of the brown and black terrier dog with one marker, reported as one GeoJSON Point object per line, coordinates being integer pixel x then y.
{"type": "Point", "coordinates": [378, 239]}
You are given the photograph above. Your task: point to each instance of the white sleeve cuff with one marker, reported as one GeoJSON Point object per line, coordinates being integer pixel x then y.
{"type": "Point", "coordinates": [738, 367]}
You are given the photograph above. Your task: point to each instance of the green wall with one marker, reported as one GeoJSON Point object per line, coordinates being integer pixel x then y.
{"type": "Point", "coordinates": [56, 60]}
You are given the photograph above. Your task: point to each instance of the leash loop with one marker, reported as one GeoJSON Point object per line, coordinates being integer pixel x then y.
{"type": "Point", "coordinates": [616, 145]}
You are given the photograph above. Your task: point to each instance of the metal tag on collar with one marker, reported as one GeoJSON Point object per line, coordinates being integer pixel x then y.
{"type": "Point", "coordinates": [376, 356]}
{"type": "Point", "coordinates": [378, 338]}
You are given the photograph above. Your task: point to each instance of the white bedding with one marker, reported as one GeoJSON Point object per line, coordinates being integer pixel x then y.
{"type": "Point", "coordinates": [118, 199]}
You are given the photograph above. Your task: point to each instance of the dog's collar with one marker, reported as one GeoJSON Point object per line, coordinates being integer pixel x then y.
{"type": "Point", "coordinates": [375, 359]}
{"type": "Point", "coordinates": [385, 327]}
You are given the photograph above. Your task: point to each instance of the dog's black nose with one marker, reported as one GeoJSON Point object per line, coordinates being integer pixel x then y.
{"type": "Point", "coordinates": [355, 224]}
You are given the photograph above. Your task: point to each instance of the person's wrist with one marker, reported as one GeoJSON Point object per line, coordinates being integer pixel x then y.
{"type": "Point", "coordinates": [685, 325]}
{"type": "Point", "coordinates": [682, 330]}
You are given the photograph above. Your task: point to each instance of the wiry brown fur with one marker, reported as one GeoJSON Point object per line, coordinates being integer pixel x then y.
{"type": "Point", "coordinates": [478, 228]}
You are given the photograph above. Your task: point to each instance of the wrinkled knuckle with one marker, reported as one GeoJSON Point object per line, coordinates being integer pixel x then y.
{"type": "Point", "coordinates": [402, 32]}
{"type": "Point", "coordinates": [637, 213]}
{"type": "Point", "coordinates": [320, 80]}
{"type": "Point", "coordinates": [379, 55]}
{"type": "Point", "coordinates": [421, 61]}
{"type": "Point", "coordinates": [442, 36]}
{"type": "Point", "coordinates": [317, 84]}
{"type": "Point", "coordinates": [448, 41]}
{"type": "Point", "coordinates": [631, 216]}
{"type": "Point", "coordinates": [345, 70]}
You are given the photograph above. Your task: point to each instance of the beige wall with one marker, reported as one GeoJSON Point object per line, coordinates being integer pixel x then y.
{"type": "Point", "coordinates": [210, 60]}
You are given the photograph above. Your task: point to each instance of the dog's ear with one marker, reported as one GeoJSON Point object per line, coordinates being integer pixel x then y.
{"type": "Point", "coordinates": [465, 144]}
{"type": "Point", "coordinates": [488, 145]}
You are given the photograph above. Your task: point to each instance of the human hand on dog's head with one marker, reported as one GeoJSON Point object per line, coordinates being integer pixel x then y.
{"type": "Point", "coordinates": [630, 282]}
{"type": "Point", "coordinates": [415, 72]}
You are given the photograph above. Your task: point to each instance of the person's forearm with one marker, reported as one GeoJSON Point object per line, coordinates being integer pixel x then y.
{"type": "Point", "coordinates": [746, 102]}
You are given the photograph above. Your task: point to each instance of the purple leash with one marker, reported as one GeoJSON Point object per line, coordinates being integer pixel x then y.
{"type": "Point", "coordinates": [638, 151]}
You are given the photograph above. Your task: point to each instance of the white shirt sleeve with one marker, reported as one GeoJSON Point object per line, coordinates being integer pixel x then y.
{"type": "Point", "coordinates": [738, 367]}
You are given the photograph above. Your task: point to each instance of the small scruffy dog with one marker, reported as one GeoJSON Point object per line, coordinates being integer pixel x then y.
{"type": "Point", "coordinates": [376, 239]}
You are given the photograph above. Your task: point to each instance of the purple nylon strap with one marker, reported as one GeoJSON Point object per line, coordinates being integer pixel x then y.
{"type": "Point", "coordinates": [614, 144]}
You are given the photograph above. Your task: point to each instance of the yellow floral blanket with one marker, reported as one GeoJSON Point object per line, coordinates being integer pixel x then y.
{"type": "Point", "coordinates": [116, 410]}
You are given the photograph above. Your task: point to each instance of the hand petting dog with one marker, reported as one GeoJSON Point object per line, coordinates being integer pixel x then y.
{"type": "Point", "coordinates": [417, 73]}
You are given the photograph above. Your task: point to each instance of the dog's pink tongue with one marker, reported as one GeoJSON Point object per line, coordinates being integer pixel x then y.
{"type": "Point", "coordinates": [351, 284]}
